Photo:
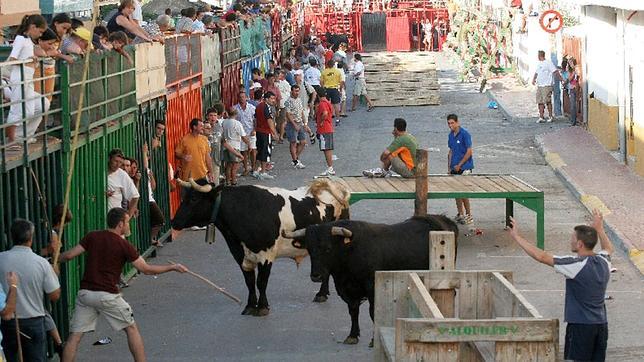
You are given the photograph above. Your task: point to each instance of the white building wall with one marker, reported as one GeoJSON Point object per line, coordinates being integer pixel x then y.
{"type": "Point", "coordinates": [526, 45]}
{"type": "Point", "coordinates": [634, 38]}
{"type": "Point", "coordinates": [602, 71]}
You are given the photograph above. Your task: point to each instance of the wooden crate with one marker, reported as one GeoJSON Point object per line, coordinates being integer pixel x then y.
{"type": "Point", "coordinates": [149, 59]}
{"type": "Point", "coordinates": [458, 316]}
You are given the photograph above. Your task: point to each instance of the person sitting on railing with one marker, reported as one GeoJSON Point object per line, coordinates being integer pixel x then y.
{"type": "Point", "coordinates": [78, 43]}
{"type": "Point", "coordinates": [122, 21]}
{"type": "Point", "coordinates": [21, 79]}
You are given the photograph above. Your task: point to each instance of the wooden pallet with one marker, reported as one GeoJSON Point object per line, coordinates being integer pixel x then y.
{"type": "Point", "coordinates": [411, 78]}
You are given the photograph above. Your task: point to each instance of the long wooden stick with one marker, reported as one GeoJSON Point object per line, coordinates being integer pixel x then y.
{"type": "Point", "coordinates": [205, 280]}
{"type": "Point", "coordinates": [18, 340]}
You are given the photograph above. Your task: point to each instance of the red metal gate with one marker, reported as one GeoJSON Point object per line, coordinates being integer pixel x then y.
{"type": "Point", "coordinates": [398, 34]}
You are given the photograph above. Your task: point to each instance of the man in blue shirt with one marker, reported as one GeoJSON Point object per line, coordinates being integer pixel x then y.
{"type": "Point", "coordinates": [587, 275]}
{"type": "Point", "coordinates": [460, 162]}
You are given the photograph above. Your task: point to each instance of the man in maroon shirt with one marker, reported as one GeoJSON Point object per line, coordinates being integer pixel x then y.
{"type": "Point", "coordinates": [107, 252]}
{"type": "Point", "coordinates": [264, 129]}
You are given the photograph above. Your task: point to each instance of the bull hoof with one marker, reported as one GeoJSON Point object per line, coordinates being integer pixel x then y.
{"type": "Point", "coordinates": [262, 312]}
{"type": "Point", "coordinates": [351, 340]}
{"type": "Point", "coordinates": [320, 298]}
{"type": "Point", "coordinates": [371, 343]}
{"type": "Point", "coordinates": [249, 311]}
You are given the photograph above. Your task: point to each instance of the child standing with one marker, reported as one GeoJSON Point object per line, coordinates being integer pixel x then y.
{"type": "Point", "coordinates": [22, 78]}
{"type": "Point", "coordinates": [233, 136]}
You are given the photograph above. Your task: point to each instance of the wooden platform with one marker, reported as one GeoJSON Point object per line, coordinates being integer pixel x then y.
{"type": "Point", "coordinates": [13, 158]}
{"type": "Point", "coordinates": [507, 187]}
{"type": "Point", "coordinates": [411, 78]}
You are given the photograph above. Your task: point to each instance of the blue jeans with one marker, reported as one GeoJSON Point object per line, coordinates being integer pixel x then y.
{"type": "Point", "coordinates": [572, 96]}
{"type": "Point", "coordinates": [34, 348]}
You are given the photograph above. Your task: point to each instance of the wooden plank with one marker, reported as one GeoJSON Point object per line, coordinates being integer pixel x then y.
{"type": "Point", "coordinates": [442, 252]}
{"type": "Point", "coordinates": [547, 351]}
{"type": "Point", "coordinates": [401, 298]}
{"type": "Point", "coordinates": [383, 309]}
{"type": "Point", "coordinates": [388, 342]}
{"type": "Point", "coordinates": [484, 297]}
{"type": "Point", "coordinates": [448, 352]}
{"type": "Point", "coordinates": [385, 185]}
{"type": "Point", "coordinates": [486, 351]}
{"type": "Point", "coordinates": [452, 184]}
{"type": "Point", "coordinates": [526, 351]}
{"type": "Point", "coordinates": [506, 351]}
{"type": "Point", "coordinates": [405, 184]}
{"type": "Point", "coordinates": [487, 185]}
{"type": "Point", "coordinates": [422, 165]}
{"type": "Point", "coordinates": [469, 330]}
{"type": "Point", "coordinates": [371, 184]}
{"type": "Point", "coordinates": [469, 183]}
{"type": "Point", "coordinates": [395, 185]}
{"type": "Point", "coordinates": [508, 187]}
{"type": "Point", "coordinates": [420, 296]}
{"type": "Point", "coordinates": [467, 296]}
{"type": "Point", "coordinates": [446, 301]}
{"type": "Point", "coordinates": [519, 183]}
{"type": "Point", "coordinates": [354, 184]}
{"type": "Point", "coordinates": [522, 308]}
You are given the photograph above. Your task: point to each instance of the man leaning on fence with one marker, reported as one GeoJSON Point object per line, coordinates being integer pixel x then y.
{"type": "Point", "coordinates": [37, 278]}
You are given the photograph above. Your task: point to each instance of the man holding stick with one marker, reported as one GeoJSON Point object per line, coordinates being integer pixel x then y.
{"type": "Point", "coordinates": [107, 252]}
{"type": "Point", "coordinates": [587, 275]}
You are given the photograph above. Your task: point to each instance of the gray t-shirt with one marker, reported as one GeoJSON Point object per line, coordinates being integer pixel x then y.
{"type": "Point", "coordinates": [586, 281]}
{"type": "Point", "coordinates": [36, 277]}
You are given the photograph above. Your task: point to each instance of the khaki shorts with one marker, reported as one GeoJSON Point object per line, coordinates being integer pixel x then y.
{"type": "Point", "coordinates": [360, 88]}
{"type": "Point", "coordinates": [544, 95]}
{"type": "Point", "coordinates": [91, 304]}
{"type": "Point", "coordinates": [399, 167]}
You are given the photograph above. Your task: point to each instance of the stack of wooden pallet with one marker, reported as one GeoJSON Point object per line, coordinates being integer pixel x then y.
{"type": "Point", "coordinates": [402, 79]}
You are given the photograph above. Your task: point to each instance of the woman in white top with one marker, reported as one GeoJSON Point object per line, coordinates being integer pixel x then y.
{"type": "Point", "coordinates": [31, 28]}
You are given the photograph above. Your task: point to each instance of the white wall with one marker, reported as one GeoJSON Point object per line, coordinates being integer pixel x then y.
{"type": "Point", "coordinates": [602, 72]}
{"type": "Point", "coordinates": [526, 45]}
{"type": "Point", "coordinates": [634, 38]}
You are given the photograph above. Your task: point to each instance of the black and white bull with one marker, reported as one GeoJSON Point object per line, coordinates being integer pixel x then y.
{"type": "Point", "coordinates": [252, 220]}
{"type": "Point", "coordinates": [351, 251]}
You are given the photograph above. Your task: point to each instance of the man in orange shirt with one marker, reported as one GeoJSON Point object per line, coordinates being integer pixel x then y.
{"type": "Point", "coordinates": [194, 153]}
{"type": "Point", "coordinates": [399, 156]}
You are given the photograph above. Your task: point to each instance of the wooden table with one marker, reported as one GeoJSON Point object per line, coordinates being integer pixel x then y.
{"type": "Point", "coordinates": [507, 187]}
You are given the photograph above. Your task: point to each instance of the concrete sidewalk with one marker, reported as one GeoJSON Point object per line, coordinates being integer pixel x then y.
{"type": "Point", "coordinates": [589, 171]}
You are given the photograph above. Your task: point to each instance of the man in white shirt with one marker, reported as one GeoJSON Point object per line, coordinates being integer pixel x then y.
{"type": "Point", "coordinates": [312, 75]}
{"type": "Point", "coordinates": [232, 135]}
{"type": "Point", "coordinates": [360, 85]}
{"type": "Point", "coordinates": [285, 89]}
{"type": "Point", "coordinates": [120, 186]}
{"type": "Point", "coordinates": [246, 115]}
{"type": "Point", "coordinates": [543, 79]}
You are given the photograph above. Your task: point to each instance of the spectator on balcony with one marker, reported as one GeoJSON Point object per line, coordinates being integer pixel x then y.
{"type": "Point", "coordinates": [137, 15]}
{"type": "Point", "coordinates": [120, 186]}
{"type": "Point", "coordinates": [78, 43]}
{"type": "Point", "coordinates": [185, 25]}
{"type": "Point", "coordinates": [47, 51]}
{"type": "Point", "coordinates": [21, 80]}
{"type": "Point", "coordinates": [168, 12]}
{"type": "Point", "coordinates": [156, 29]}
{"type": "Point", "coordinates": [61, 24]}
{"type": "Point", "coordinates": [119, 40]}
{"type": "Point", "coordinates": [123, 21]}
{"type": "Point", "coordinates": [198, 25]}
{"type": "Point", "coordinates": [100, 38]}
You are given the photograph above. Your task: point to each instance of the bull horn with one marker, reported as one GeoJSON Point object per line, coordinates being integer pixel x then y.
{"type": "Point", "coordinates": [184, 183]}
{"type": "Point", "coordinates": [340, 231]}
{"type": "Point", "coordinates": [200, 188]}
{"type": "Point", "coordinates": [294, 234]}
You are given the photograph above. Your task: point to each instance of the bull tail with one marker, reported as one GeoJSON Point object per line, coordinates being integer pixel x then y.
{"type": "Point", "coordinates": [339, 193]}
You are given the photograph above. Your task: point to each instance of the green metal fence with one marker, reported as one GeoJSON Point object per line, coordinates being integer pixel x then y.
{"type": "Point", "coordinates": [211, 94]}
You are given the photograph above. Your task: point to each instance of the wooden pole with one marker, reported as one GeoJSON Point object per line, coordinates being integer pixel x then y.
{"type": "Point", "coordinates": [218, 288]}
{"type": "Point", "coordinates": [422, 166]}
{"type": "Point", "coordinates": [442, 256]}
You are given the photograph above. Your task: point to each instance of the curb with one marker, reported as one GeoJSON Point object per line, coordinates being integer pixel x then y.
{"type": "Point", "coordinates": [554, 161]}
{"type": "Point", "coordinates": [502, 109]}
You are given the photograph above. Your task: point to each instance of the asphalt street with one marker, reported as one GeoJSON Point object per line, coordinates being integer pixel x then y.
{"type": "Point", "coordinates": [182, 319]}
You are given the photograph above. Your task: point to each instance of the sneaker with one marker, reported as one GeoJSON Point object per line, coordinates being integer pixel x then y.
{"type": "Point", "coordinates": [459, 218]}
{"type": "Point", "coordinates": [299, 165]}
{"type": "Point", "coordinates": [541, 120]}
{"type": "Point", "coordinates": [386, 173]}
{"type": "Point", "coordinates": [31, 140]}
{"type": "Point", "coordinates": [549, 120]}
{"type": "Point", "coordinates": [265, 176]}
{"type": "Point", "coordinates": [197, 228]}
{"type": "Point", "coordinates": [373, 172]}
{"type": "Point", "coordinates": [468, 219]}
{"type": "Point", "coordinates": [334, 158]}
{"type": "Point", "coordinates": [329, 172]}
{"type": "Point", "coordinates": [255, 174]}
{"type": "Point", "coordinates": [337, 122]}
